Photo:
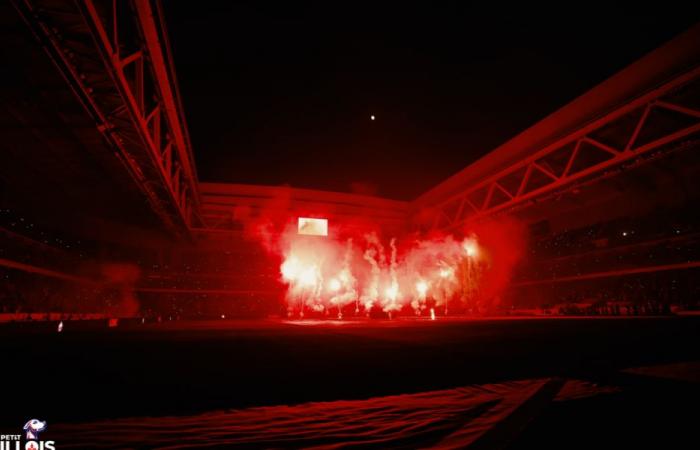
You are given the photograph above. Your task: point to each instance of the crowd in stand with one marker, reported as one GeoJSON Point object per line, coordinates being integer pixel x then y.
{"type": "Point", "coordinates": [613, 309]}
{"type": "Point", "coordinates": [630, 266]}
{"type": "Point", "coordinates": [660, 226]}
{"type": "Point", "coordinates": [618, 245]}
{"type": "Point", "coordinates": [242, 280]}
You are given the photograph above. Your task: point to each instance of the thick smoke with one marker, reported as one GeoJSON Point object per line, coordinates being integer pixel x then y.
{"type": "Point", "coordinates": [359, 271]}
{"type": "Point", "coordinates": [119, 281]}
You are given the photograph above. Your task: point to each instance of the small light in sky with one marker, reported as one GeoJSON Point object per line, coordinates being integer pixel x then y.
{"type": "Point", "coordinates": [372, 117]}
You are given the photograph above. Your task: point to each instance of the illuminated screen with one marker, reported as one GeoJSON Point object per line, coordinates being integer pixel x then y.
{"type": "Point", "coordinates": [313, 227]}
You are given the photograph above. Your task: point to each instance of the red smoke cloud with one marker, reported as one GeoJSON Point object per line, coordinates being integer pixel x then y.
{"type": "Point", "coordinates": [359, 270]}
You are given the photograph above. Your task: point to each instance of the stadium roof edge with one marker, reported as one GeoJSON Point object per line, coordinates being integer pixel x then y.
{"type": "Point", "coordinates": [266, 192]}
{"type": "Point", "coordinates": [676, 56]}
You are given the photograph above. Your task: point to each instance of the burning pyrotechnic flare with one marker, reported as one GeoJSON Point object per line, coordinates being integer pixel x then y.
{"type": "Point", "coordinates": [392, 292]}
{"type": "Point", "coordinates": [371, 292]}
{"type": "Point", "coordinates": [326, 274]}
{"type": "Point", "coordinates": [334, 285]}
{"type": "Point", "coordinates": [421, 288]}
{"type": "Point", "coordinates": [308, 276]}
{"type": "Point", "coordinates": [471, 247]}
{"type": "Point", "coordinates": [290, 269]}
{"type": "Point", "coordinates": [446, 273]}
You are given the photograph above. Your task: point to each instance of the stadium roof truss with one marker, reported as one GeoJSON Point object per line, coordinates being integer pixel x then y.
{"type": "Point", "coordinates": [115, 56]}
{"type": "Point", "coordinates": [647, 124]}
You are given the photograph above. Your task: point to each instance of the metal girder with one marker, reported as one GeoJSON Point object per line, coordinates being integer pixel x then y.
{"type": "Point", "coordinates": [624, 135]}
{"type": "Point", "coordinates": [112, 53]}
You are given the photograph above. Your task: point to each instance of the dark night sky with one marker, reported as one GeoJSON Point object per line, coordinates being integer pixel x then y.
{"type": "Point", "coordinates": [279, 94]}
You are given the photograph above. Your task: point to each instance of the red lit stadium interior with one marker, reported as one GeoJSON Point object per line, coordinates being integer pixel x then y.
{"type": "Point", "coordinates": [546, 293]}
